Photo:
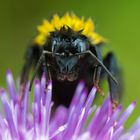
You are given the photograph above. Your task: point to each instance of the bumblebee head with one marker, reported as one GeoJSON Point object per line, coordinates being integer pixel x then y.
{"type": "Point", "coordinates": [66, 43]}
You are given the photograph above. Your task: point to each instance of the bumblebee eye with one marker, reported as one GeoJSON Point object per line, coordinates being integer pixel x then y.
{"type": "Point", "coordinates": [54, 44]}
{"type": "Point", "coordinates": [81, 47]}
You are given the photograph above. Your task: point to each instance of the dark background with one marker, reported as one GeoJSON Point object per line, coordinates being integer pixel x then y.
{"type": "Point", "coordinates": [118, 21]}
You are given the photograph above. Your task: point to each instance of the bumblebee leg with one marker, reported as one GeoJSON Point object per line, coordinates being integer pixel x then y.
{"type": "Point", "coordinates": [96, 78]}
{"type": "Point", "coordinates": [31, 57]}
{"type": "Point", "coordinates": [42, 61]}
{"type": "Point", "coordinates": [97, 70]}
{"type": "Point", "coordinates": [115, 89]}
{"type": "Point", "coordinates": [47, 74]}
{"type": "Point", "coordinates": [46, 67]}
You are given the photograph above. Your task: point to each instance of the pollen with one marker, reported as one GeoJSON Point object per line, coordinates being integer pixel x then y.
{"type": "Point", "coordinates": [68, 20]}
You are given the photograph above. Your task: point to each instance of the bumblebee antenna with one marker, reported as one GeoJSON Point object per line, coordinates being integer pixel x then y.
{"type": "Point", "coordinates": [100, 63]}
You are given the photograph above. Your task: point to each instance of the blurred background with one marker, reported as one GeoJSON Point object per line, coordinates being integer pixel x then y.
{"type": "Point", "coordinates": [118, 21]}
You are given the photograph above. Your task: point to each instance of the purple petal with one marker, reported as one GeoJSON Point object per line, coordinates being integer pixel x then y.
{"type": "Point", "coordinates": [47, 109]}
{"type": "Point", "coordinates": [43, 86]}
{"type": "Point", "coordinates": [110, 122]}
{"type": "Point", "coordinates": [11, 86]}
{"type": "Point", "coordinates": [25, 105]}
{"type": "Point", "coordinates": [100, 116]}
{"type": "Point", "coordinates": [109, 134]}
{"type": "Point", "coordinates": [126, 114]}
{"type": "Point", "coordinates": [118, 133]}
{"type": "Point", "coordinates": [37, 92]}
{"type": "Point", "coordinates": [9, 116]}
{"type": "Point", "coordinates": [58, 119]}
{"type": "Point", "coordinates": [77, 95]}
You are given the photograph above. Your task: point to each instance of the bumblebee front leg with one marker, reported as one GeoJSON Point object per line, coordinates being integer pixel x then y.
{"type": "Point", "coordinates": [45, 66]}
{"type": "Point", "coordinates": [115, 89]}
{"type": "Point", "coordinates": [96, 79]}
{"type": "Point", "coordinates": [97, 70]}
{"type": "Point", "coordinates": [46, 69]}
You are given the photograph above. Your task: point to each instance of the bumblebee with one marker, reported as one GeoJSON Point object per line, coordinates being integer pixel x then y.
{"type": "Point", "coordinates": [67, 49]}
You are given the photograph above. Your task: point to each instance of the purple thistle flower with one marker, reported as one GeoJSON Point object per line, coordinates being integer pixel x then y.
{"type": "Point", "coordinates": [19, 122]}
